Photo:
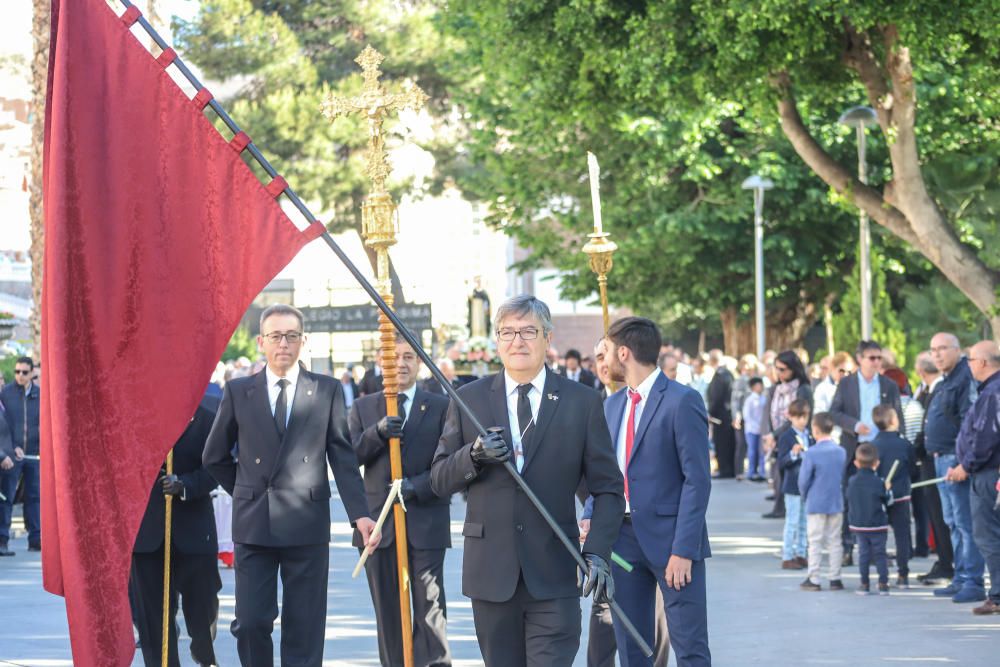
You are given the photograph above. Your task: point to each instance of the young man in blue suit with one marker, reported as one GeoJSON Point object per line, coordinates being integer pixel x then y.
{"type": "Point", "coordinates": [660, 431]}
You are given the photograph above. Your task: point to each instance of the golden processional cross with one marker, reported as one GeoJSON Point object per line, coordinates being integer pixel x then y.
{"type": "Point", "coordinates": [379, 225]}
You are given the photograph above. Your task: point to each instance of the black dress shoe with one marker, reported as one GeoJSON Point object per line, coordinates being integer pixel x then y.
{"type": "Point", "coordinates": [768, 498]}
{"type": "Point", "coordinates": [773, 515]}
{"type": "Point", "coordinates": [4, 551]}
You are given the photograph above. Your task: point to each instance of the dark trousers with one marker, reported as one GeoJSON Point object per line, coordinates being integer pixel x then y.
{"type": "Point", "coordinates": [27, 468]}
{"type": "Point", "coordinates": [686, 609]}
{"type": "Point", "coordinates": [430, 636]}
{"type": "Point", "coordinates": [196, 578]}
{"type": "Point", "coordinates": [846, 533]}
{"type": "Point", "coordinates": [871, 549]}
{"type": "Point", "coordinates": [779, 497]}
{"type": "Point", "coordinates": [921, 521]}
{"type": "Point", "coordinates": [304, 571]}
{"type": "Point", "coordinates": [526, 632]}
{"type": "Point", "coordinates": [899, 519]}
{"type": "Point", "coordinates": [602, 647]}
{"type": "Point", "coordinates": [986, 525]}
{"type": "Point", "coordinates": [740, 454]}
{"type": "Point", "coordinates": [724, 438]}
{"type": "Point", "coordinates": [942, 534]}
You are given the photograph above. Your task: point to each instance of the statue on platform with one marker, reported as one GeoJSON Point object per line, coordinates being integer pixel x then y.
{"type": "Point", "coordinates": [479, 311]}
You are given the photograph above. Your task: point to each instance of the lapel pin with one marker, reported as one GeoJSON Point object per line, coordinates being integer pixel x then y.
{"type": "Point", "coordinates": [309, 393]}
{"type": "Point", "coordinates": [423, 407]}
{"type": "Point", "coordinates": [553, 397]}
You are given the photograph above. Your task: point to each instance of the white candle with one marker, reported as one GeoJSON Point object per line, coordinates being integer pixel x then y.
{"type": "Point", "coordinates": [595, 190]}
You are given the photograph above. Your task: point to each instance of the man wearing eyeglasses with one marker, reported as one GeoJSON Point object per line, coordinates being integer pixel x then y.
{"type": "Point", "coordinates": [20, 402]}
{"type": "Point", "coordinates": [856, 396]}
{"type": "Point", "coordinates": [289, 424]}
{"type": "Point", "coordinates": [523, 583]}
{"type": "Point", "coordinates": [950, 402]}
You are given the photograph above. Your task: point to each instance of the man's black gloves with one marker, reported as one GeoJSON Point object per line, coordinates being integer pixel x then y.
{"type": "Point", "coordinates": [406, 489]}
{"type": "Point", "coordinates": [389, 427]}
{"type": "Point", "coordinates": [489, 449]}
{"type": "Point", "coordinates": [171, 485]}
{"type": "Point", "coordinates": [598, 580]}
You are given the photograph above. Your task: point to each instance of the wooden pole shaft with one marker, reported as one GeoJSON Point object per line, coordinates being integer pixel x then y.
{"type": "Point", "coordinates": [390, 386]}
{"type": "Point", "coordinates": [167, 523]}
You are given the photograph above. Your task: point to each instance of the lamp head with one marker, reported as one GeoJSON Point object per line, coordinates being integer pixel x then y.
{"type": "Point", "coordinates": [858, 116]}
{"type": "Point", "coordinates": [756, 182]}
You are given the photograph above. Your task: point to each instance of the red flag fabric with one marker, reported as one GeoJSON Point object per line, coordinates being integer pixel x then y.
{"type": "Point", "coordinates": [157, 238]}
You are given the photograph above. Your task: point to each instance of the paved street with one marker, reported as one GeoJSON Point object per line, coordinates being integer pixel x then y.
{"type": "Point", "coordinates": [757, 613]}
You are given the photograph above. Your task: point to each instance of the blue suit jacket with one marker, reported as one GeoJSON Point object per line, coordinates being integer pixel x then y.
{"type": "Point", "coordinates": [669, 479]}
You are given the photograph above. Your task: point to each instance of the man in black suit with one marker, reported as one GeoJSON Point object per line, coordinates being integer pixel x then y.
{"type": "Point", "coordinates": [428, 521]}
{"type": "Point", "coordinates": [720, 392]}
{"type": "Point", "coordinates": [576, 372]}
{"type": "Point", "coordinates": [857, 395]}
{"type": "Point", "coordinates": [371, 383]}
{"type": "Point", "coordinates": [194, 573]}
{"type": "Point", "coordinates": [289, 424]}
{"type": "Point", "coordinates": [523, 584]}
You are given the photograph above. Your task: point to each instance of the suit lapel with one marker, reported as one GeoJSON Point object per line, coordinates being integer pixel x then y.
{"type": "Point", "coordinates": [258, 398]}
{"type": "Point", "coordinates": [648, 411]}
{"type": "Point", "coordinates": [302, 405]}
{"type": "Point", "coordinates": [498, 407]}
{"type": "Point", "coordinates": [546, 409]}
{"type": "Point", "coordinates": [414, 415]}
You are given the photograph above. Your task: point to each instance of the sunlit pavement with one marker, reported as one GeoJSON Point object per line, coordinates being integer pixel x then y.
{"type": "Point", "coordinates": [757, 614]}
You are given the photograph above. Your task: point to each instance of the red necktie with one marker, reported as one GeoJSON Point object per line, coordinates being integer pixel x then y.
{"type": "Point", "coordinates": [634, 397]}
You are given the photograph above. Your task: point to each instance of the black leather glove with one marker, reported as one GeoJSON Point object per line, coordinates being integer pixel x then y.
{"type": "Point", "coordinates": [490, 449]}
{"type": "Point", "coordinates": [406, 489]}
{"type": "Point", "coordinates": [389, 427]}
{"type": "Point", "coordinates": [171, 485]}
{"type": "Point", "coordinates": [598, 580]}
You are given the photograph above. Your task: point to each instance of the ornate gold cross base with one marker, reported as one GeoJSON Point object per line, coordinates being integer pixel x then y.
{"type": "Point", "coordinates": [600, 250]}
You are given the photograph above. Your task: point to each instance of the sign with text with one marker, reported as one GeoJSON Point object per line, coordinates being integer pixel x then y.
{"type": "Point", "coordinates": [364, 317]}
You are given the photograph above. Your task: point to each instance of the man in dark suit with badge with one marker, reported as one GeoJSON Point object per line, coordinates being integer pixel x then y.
{"type": "Point", "coordinates": [194, 573]}
{"type": "Point", "coordinates": [428, 520]}
{"type": "Point", "coordinates": [523, 583]}
{"type": "Point", "coordinates": [289, 424]}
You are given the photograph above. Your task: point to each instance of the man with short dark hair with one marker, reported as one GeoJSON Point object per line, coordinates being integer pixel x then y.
{"type": "Point", "coordinates": [523, 584]}
{"type": "Point", "coordinates": [660, 429]}
{"type": "Point", "coordinates": [290, 424]}
{"type": "Point", "coordinates": [978, 452]}
{"type": "Point", "coordinates": [949, 404]}
{"type": "Point", "coordinates": [20, 403]}
{"type": "Point", "coordinates": [575, 371]}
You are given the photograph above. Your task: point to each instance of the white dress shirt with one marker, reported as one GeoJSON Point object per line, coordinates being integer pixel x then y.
{"type": "Point", "coordinates": [644, 388]}
{"type": "Point", "coordinates": [534, 399]}
{"type": "Point", "coordinates": [573, 375]}
{"type": "Point", "coordinates": [273, 389]}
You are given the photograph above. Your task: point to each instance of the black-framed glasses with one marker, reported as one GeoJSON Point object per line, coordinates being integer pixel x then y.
{"type": "Point", "coordinates": [292, 337]}
{"type": "Point", "coordinates": [527, 333]}
{"type": "Point", "coordinates": [19, 372]}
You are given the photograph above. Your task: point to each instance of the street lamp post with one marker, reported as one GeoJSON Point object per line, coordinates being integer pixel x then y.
{"type": "Point", "coordinates": [859, 118]}
{"type": "Point", "coordinates": [758, 185]}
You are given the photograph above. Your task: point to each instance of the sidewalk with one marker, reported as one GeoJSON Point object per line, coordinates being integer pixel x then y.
{"type": "Point", "coordinates": [757, 614]}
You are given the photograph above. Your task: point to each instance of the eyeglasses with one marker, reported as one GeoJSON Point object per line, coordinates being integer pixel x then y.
{"type": "Point", "coordinates": [292, 337]}
{"type": "Point", "coordinates": [17, 372]}
{"type": "Point", "coordinates": [507, 335]}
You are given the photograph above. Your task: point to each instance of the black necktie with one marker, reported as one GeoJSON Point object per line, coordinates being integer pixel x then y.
{"type": "Point", "coordinates": [281, 408]}
{"type": "Point", "coordinates": [401, 406]}
{"type": "Point", "coordinates": [524, 418]}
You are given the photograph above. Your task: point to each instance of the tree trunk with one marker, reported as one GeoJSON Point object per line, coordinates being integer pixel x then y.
{"type": "Point", "coordinates": [786, 327]}
{"type": "Point", "coordinates": [905, 208]}
{"type": "Point", "coordinates": [39, 83]}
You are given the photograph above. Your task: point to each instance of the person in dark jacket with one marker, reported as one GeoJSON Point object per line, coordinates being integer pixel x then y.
{"type": "Point", "coordinates": [791, 445]}
{"type": "Point", "coordinates": [720, 394]}
{"type": "Point", "coordinates": [978, 450]}
{"type": "Point", "coordinates": [867, 497]}
{"type": "Point", "coordinates": [894, 449]}
{"type": "Point", "coordinates": [951, 400]}
{"type": "Point", "coordinates": [194, 573]}
{"type": "Point", "coordinates": [20, 403]}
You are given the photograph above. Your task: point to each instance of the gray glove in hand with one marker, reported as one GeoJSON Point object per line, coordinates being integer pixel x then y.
{"type": "Point", "coordinates": [489, 449]}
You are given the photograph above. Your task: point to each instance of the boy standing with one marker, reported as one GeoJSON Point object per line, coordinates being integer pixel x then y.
{"type": "Point", "coordinates": [791, 446]}
{"type": "Point", "coordinates": [867, 497]}
{"type": "Point", "coordinates": [893, 447]}
{"type": "Point", "coordinates": [753, 410]}
{"type": "Point", "coordinates": [821, 480]}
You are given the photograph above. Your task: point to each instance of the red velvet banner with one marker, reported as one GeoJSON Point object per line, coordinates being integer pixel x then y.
{"type": "Point", "coordinates": [157, 238]}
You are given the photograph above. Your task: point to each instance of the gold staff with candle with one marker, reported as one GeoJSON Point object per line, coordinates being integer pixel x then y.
{"type": "Point", "coordinates": [599, 248]}
{"type": "Point", "coordinates": [379, 225]}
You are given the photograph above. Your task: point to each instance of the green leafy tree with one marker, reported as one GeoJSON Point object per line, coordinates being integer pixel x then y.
{"type": "Point", "coordinates": [241, 344]}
